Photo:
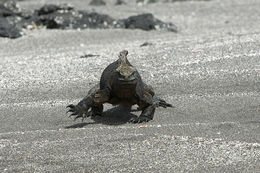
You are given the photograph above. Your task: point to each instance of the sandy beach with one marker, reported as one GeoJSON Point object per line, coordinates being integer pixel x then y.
{"type": "Point", "coordinates": [209, 70]}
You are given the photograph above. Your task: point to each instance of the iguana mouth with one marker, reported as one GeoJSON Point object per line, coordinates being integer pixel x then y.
{"type": "Point", "coordinates": [127, 80]}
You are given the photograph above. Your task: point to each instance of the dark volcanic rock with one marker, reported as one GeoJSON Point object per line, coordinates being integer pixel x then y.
{"type": "Point", "coordinates": [14, 15]}
{"type": "Point", "coordinates": [147, 22]}
{"type": "Point", "coordinates": [97, 2]}
{"type": "Point", "coordinates": [9, 15]}
{"type": "Point", "coordinates": [120, 2]}
{"type": "Point", "coordinates": [5, 11]}
{"type": "Point", "coordinates": [88, 56]}
{"type": "Point", "coordinates": [50, 8]}
{"type": "Point", "coordinates": [145, 1]}
{"type": "Point", "coordinates": [94, 20]}
{"type": "Point", "coordinates": [55, 17]}
{"type": "Point", "coordinates": [146, 44]}
{"type": "Point", "coordinates": [9, 9]}
{"type": "Point", "coordinates": [66, 17]}
{"type": "Point", "coordinates": [8, 30]}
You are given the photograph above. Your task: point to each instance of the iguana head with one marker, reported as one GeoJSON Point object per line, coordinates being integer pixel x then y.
{"type": "Point", "coordinates": [125, 70]}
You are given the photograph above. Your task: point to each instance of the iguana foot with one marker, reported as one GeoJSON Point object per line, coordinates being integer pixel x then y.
{"type": "Point", "coordinates": [160, 102]}
{"type": "Point", "coordinates": [96, 110]}
{"type": "Point", "coordinates": [81, 110]}
{"type": "Point", "coordinates": [140, 119]}
{"type": "Point", "coordinates": [146, 115]}
{"type": "Point", "coordinates": [78, 111]}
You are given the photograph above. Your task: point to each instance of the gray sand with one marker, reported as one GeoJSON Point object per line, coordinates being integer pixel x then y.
{"type": "Point", "coordinates": [210, 72]}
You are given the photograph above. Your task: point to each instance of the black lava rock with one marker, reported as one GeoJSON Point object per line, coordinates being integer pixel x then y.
{"type": "Point", "coordinates": [120, 2]}
{"type": "Point", "coordinates": [66, 17]}
{"type": "Point", "coordinates": [51, 8]}
{"type": "Point", "coordinates": [88, 56]}
{"type": "Point", "coordinates": [9, 15]}
{"type": "Point", "coordinates": [5, 11]}
{"type": "Point", "coordinates": [8, 30]}
{"type": "Point", "coordinates": [146, 44]}
{"type": "Point", "coordinates": [9, 9]}
{"type": "Point", "coordinates": [142, 2]}
{"type": "Point", "coordinates": [97, 2]}
{"type": "Point", "coordinates": [94, 20]}
{"type": "Point", "coordinates": [147, 22]}
{"type": "Point", "coordinates": [56, 17]}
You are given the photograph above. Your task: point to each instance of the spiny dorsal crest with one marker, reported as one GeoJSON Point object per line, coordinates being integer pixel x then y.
{"type": "Point", "coordinates": [123, 68]}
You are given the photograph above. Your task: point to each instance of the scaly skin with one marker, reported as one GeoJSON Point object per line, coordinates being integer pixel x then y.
{"type": "Point", "coordinates": [120, 84]}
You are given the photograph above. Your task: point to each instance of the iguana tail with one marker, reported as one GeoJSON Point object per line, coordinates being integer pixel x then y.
{"type": "Point", "coordinates": [160, 102]}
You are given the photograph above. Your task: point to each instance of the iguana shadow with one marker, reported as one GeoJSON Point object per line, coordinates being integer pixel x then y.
{"type": "Point", "coordinates": [115, 116]}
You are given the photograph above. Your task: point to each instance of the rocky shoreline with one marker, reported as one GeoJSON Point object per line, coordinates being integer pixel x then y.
{"type": "Point", "coordinates": [13, 20]}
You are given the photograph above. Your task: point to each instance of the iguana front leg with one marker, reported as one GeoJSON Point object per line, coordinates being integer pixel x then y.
{"type": "Point", "coordinates": [148, 108]}
{"type": "Point", "coordinates": [93, 101]}
{"type": "Point", "coordinates": [81, 109]}
{"type": "Point", "coordinates": [146, 115]}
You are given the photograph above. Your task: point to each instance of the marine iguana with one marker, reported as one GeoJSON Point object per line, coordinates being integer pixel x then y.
{"type": "Point", "coordinates": [120, 84]}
